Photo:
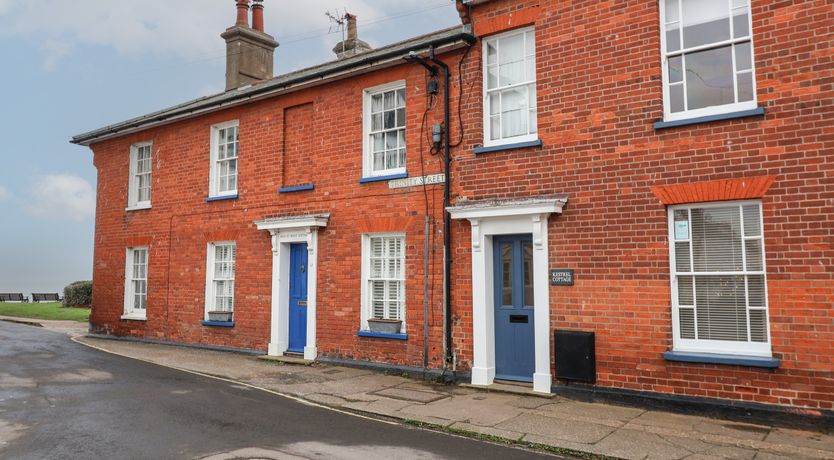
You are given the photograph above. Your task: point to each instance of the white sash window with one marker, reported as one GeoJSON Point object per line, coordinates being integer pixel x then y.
{"type": "Point", "coordinates": [707, 57]}
{"type": "Point", "coordinates": [510, 88]}
{"type": "Point", "coordinates": [136, 283]}
{"type": "Point", "coordinates": [224, 159]}
{"type": "Point", "coordinates": [384, 126]}
{"type": "Point", "coordinates": [719, 282]}
{"type": "Point", "coordinates": [220, 274]}
{"type": "Point", "coordinates": [383, 291]}
{"type": "Point", "coordinates": [139, 184]}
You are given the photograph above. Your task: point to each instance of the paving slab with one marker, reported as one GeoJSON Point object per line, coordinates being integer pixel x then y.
{"type": "Point", "coordinates": [479, 408]}
{"type": "Point", "coordinates": [327, 400]}
{"type": "Point", "coordinates": [604, 414]}
{"type": "Point", "coordinates": [633, 444]}
{"type": "Point", "coordinates": [383, 406]}
{"type": "Point", "coordinates": [801, 438]}
{"type": "Point", "coordinates": [765, 455]}
{"type": "Point", "coordinates": [533, 403]}
{"type": "Point", "coordinates": [733, 429]}
{"type": "Point", "coordinates": [430, 419]}
{"type": "Point", "coordinates": [411, 395]}
{"type": "Point", "coordinates": [733, 453]}
{"type": "Point", "coordinates": [562, 444]}
{"type": "Point", "coordinates": [487, 430]}
{"type": "Point", "coordinates": [586, 433]}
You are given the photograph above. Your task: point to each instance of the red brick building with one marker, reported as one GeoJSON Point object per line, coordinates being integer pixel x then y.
{"type": "Point", "coordinates": [657, 173]}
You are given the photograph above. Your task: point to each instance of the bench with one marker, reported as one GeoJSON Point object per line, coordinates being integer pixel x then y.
{"type": "Point", "coordinates": [13, 297]}
{"type": "Point", "coordinates": [45, 297]}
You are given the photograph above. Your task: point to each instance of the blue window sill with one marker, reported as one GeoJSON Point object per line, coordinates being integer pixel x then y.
{"type": "Point", "coordinates": [381, 335]}
{"type": "Point", "coordinates": [379, 178]}
{"type": "Point", "coordinates": [219, 323]}
{"type": "Point", "coordinates": [757, 112]}
{"type": "Point", "coordinates": [219, 198]}
{"type": "Point", "coordinates": [297, 188]}
{"type": "Point", "coordinates": [517, 145]}
{"type": "Point", "coordinates": [715, 358]}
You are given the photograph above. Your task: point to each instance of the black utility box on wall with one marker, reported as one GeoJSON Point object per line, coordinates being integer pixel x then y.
{"type": "Point", "coordinates": [575, 356]}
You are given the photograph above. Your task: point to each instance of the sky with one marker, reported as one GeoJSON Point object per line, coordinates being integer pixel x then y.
{"type": "Point", "coordinates": [73, 66]}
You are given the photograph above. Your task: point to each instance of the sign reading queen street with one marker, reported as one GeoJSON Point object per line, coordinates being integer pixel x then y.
{"type": "Point", "coordinates": [417, 181]}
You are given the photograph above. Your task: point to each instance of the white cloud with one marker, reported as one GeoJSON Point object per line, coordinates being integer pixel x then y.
{"type": "Point", "coordinates": [61, 196]}
{"type": "Point", "coordinates": [55, 50]}
{"type": "Point", "coordinates": [4, 194]}
{"type": "Point", "coordinates": [162, 28]}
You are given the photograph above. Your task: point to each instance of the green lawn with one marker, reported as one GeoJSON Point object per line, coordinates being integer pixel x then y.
{"type": "Point", "coordinates": [44, 311]}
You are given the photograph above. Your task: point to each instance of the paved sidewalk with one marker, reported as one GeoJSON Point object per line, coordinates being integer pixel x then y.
{"type": "Point", "coordinates": [71, 328]}
{"type": "Point", "coordinates": [601, 429]}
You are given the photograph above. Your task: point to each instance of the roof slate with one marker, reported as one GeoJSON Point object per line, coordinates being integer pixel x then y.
{"type": "Point", "coordinates": [288, 81]}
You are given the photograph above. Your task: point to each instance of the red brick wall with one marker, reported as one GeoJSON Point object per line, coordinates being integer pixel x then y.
{"type": "Point", "coordinates": [311, 136]}
{"type": "Point", "coordinates": [599, 92]}
{"type": "Point", "coordinates": [298, 161]}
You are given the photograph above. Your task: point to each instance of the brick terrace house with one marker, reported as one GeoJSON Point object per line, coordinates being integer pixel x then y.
{"type": "Point", "coordinates": [653, 177]}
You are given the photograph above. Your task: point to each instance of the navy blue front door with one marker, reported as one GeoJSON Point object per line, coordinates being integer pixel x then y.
{"type": "Point", "coordinates": [513, 279]}
{"type": "Point", "coordinates": [298, 297]}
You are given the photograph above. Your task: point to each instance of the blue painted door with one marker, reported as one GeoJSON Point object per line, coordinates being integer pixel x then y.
{"type": "Point", "coordinates": [513, 280]}
{"type": "Point", "coordinates": [298, 298]}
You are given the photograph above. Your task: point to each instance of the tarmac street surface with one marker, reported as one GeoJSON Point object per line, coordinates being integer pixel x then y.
{"type": "Point", "coordinates": [60, 399]}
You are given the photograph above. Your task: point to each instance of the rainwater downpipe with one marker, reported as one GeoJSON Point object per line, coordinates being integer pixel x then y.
{"type": "Point", "coordinates": [426, 298]}
{"type": "Point", "coordinates": [447, 218]}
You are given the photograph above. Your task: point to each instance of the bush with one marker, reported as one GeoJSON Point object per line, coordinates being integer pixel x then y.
{"type": "Point", "coordinates": [78, 294]}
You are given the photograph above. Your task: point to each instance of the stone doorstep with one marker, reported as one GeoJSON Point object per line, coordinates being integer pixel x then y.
{"type": "Point", "coordinates": [510, 388]}
{"type": "Point", "coordinates": [287, 359]}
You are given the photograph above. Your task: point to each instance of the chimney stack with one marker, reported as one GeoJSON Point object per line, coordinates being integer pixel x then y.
{"type": "Point", "coordinates": [249, 50]}
{"type": "Point", "coordinates": [352, 45]}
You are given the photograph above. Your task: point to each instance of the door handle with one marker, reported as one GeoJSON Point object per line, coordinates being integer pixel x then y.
{"type": "Point", "coordinates": [519, 319]}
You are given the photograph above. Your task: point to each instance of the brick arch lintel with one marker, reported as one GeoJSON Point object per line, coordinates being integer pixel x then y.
{"type": "Point", "coordinates": [388, 224]}
{"type": "Point", "coordinates": [221, 235]}
{"type": "Point", "coordinates": [515, 19]}
{"type": "Point", "coordinates": [720, 190]}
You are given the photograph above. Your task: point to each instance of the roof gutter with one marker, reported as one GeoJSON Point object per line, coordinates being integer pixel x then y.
{"type": "Point", "coordinates": [371, 62]}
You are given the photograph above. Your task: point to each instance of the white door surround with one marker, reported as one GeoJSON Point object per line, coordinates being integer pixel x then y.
{"type": "Point", "coordinates": [285, 231]}
{"type": "Point", "coordinates": [489, 219]}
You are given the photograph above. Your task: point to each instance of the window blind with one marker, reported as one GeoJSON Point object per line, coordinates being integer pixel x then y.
{"type": "Point", "coordinates": [718, 263]}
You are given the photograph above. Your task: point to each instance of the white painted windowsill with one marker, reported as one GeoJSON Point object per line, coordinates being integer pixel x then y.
{"type": "Point", "coordinates": [134, 317]}
{"type": "Point", "coordinates": [138, 207]}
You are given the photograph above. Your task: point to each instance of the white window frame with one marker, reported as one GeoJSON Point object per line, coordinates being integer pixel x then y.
{"type": "Point", "coordinates": [210, 279]}
{"type": "Point", "coordinates": [133, 202]}
{"type": "Point", "coordinates": [130, 310]}
{"type": "Point", "coordinates": [367, 148]}
{"type": "Point", "coordinates": [488, 141]}
{"type": "Point", "coordinates": [367, 308]}
{"type": "Point", "coordinates": [718, 346]}
{"type": "Point", "coordinates": [214, 166]}
{"type": "Point", "coordinates": [664, 64]}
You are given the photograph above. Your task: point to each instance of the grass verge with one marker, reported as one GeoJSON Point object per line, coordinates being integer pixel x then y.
{"type": "Point", "coordinates": [507, 441]}
{"type": "Point", "coordinates": [44, 311]}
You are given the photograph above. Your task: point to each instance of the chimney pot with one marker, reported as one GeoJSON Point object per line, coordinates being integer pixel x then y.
{"type": "Point", "coordinates": [352, 34]}
{"type": "Point", "coordinates": [242, 13]}
{"type": "Point", "coordinates": [258, 16]}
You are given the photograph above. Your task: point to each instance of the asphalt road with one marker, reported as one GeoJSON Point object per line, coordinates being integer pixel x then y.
{"type": "Point", "coordinates": [59, 399]}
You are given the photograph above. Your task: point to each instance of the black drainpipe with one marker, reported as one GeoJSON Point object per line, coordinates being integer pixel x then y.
{"type": "Point", "coordinates": [447, 217]}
